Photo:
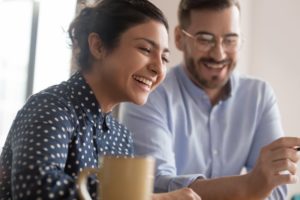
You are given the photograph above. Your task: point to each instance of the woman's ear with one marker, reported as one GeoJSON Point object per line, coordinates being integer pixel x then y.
{"type": "Point", "coordinates": [178, 38]}
{"type": "Point", "coordinates": [95, 46]}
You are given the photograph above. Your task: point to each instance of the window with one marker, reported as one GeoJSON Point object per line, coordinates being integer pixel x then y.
{"type": "Point", "coordinates": [34, 51]}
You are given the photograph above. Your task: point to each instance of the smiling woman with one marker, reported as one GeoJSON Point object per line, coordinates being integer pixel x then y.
{"type": "Point", "coordinates": [147, 46]}
{"type": "Point", "coordinates": [121, 49]}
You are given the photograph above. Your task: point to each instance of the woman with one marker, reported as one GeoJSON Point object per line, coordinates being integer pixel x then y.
{"type": "Point", "coordinates": [121, 48]}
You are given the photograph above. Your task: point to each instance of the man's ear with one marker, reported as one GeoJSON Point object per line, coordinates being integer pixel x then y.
{"type": "Point", "coordinates": [178, 38]}
{"type": "Point", "coordinates": [95, 46]}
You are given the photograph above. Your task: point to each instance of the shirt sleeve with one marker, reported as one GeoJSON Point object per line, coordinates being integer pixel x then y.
{"type": "Point", "coordinates": [151, 136]}
{"type": "Point", "coordinates": [269, 128]}
{"type": "Point", "coordinates": [41, 134]}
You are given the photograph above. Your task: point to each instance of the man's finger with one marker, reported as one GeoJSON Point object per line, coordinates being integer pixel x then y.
{"type": "Point", "coordinates": [287, 142]}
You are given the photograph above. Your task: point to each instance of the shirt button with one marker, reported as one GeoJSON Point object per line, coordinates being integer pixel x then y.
{"type": "Point", "coordinates": [215, 152]}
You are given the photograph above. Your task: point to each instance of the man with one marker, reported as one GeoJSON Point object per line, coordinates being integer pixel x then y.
{"type": "Point", "coordinates": [205, 123]}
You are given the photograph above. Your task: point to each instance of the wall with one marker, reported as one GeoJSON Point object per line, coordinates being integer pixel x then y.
{"type": "Point", "coordinates": [170, 10]}
{"type": "Point", "coordinates": [270, 51]}
{"type": "Point", "coordinates": [275, 57]}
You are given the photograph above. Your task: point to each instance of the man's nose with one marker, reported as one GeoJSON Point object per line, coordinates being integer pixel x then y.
{"type": "Point", "coordinates": [218, 52]}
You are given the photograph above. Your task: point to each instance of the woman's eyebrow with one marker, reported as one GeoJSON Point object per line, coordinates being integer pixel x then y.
{"type": "Point", "coordinates": [153, 43]}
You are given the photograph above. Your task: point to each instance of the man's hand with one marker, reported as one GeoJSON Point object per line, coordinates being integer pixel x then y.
{"type": "Point", "coordinates": [276, 165]}
{"type": "Point", "coordinates": [181, 194]}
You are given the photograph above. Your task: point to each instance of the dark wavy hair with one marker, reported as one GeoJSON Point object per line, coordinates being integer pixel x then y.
{"type": "Point", "coordinates": [109, 19]}
{"type": "Point", "coordinates": [186, 6]}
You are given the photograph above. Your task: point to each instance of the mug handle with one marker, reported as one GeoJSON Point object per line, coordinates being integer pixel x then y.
{"type": "Point", "coordinates": [82, 182]}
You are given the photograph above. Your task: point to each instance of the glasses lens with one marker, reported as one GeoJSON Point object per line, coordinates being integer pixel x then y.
{"type": "Point", "coordinates": [204, 42]}
{"type": "Point", "coordinates": [231, 43]}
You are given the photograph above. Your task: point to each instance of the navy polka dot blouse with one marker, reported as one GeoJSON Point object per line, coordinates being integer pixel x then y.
{"type": "Point", "coordinates": [57, 133]}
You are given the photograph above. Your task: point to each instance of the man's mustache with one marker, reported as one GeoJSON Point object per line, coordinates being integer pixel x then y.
{"type": "Point", "coordinates": [214, 62]}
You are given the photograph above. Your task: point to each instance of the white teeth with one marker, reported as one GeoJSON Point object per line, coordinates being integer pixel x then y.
{"type": "Point", "coordinates": [216, 66]}
{"type": "Point", "coordinates": [143, 80]}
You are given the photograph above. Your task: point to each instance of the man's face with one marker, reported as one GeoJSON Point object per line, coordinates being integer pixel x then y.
{"type": "Point", "coordinates": [208, 45]}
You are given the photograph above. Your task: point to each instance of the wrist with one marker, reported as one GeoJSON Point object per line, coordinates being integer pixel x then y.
{"type": "Point", "coordinates": [159, 196]}
{"type": "Point", "coordinates": [254, 187]}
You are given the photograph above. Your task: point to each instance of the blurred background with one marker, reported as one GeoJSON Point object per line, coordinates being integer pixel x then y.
{"type": "Point", "coordinates": [35, 52]}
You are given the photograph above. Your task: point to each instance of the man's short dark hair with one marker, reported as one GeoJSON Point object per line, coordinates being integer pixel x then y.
{"type": "Point", "coordinates": [186, 6]}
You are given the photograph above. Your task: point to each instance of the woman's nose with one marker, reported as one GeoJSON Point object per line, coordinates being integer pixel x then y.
{"type": "Point", "coordinates": [157, 66]}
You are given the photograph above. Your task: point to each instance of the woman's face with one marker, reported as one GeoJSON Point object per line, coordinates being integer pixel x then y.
{"type": "Point", "coordinates": [137, 65]}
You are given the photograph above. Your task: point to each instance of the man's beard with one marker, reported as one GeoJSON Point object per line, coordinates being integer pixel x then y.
{"type": "Point", "coordinates": [213, 82]}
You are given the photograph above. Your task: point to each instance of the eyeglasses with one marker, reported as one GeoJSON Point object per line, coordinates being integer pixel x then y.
{"type": "Point", "coordinates": [205, 42]}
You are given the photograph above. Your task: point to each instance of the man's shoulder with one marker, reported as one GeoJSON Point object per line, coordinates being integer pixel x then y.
{"type": "Point", "coordinates": [172, 80]}
{"type": "Point", "coordinates": [248, 81]}
{"type": "Point", "coordinates": [249, 78]}
{"type": "Point", "coordinates": [247, 86]}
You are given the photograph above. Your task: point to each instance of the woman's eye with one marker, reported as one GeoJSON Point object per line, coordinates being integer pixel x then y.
{"type": "Point", "coordinates": [165, 59]}
{"type": "Point", "coordinates": [146, 50]}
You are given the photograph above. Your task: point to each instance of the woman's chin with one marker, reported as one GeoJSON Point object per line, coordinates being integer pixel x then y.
{"type": "Point", "coordinates": [140, 100]}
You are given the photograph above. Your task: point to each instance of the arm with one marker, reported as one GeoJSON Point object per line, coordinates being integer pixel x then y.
{"type": "Point", "coordinates": [181, 194]}
{"type": "Point", "coordinates": [259, 183]}
{"type": "Point", "coordinates": [152, 135]}
{"type": "Point", "coordinates": [268, 129]}
{"type": "Point", "coordinates": [149, 125]}
{"type": "Point", "coordinates": [40, 150]}
{"type": "Point", "coordinates": [266, 159]}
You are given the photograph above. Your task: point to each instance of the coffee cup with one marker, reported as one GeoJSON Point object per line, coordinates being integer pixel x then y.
{"type": "Point", "coordinates": [120, 178]}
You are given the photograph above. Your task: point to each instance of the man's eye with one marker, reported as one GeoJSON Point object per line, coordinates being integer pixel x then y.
{"type": "Point", "coordinates": [204, 41]}
{"type": "Point", "coordinates": [231, 41]}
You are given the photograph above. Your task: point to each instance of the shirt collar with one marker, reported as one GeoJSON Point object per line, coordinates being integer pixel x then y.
{"type": "Point", "coordinates": [86, 100]}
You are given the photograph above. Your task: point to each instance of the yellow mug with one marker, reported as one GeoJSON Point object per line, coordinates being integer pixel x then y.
{"type": "Point", "coordinates": [121, 178]}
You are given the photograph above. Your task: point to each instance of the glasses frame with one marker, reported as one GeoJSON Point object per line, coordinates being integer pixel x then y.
{"type": "Point", "coordinates": [214, 44]}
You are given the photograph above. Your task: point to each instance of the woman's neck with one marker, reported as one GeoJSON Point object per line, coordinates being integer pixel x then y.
{"type": "Point", "coordinates": [101, 91]}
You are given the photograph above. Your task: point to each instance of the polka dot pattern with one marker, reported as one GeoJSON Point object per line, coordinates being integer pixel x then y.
{"type": "Point", "coordinates": [57, 133]}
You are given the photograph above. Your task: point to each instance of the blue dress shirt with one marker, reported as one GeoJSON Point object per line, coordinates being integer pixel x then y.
{"type": "Point", "coordinates": [190, 138]}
